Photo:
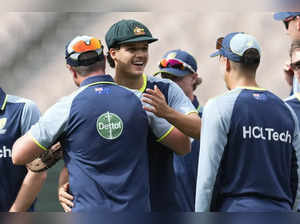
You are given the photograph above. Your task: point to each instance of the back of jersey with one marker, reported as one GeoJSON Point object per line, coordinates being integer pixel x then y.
{"type": "Point", "coordinates": [257, 165]}
{"type": "Point", "coordinates": [106, 151]}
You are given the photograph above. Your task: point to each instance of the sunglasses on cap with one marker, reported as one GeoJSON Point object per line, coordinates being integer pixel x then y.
{"type": "Point", "coordinates": [85, 58]}
{"type": "Point", "coordinates": [219, 43]}
{"type": "Point", "coordinates": [295, 66]}
{"type": "Point", "coordinates": [288, 20]}
{"type": "Point", "coordinates": [175, 63]}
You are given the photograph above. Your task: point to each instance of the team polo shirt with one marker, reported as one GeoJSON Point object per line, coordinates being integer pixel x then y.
{"type": "Point", "coordinates": [185, 167]}
{"type": "Point", "coordinates": [250, 153]}
{"type": "Point", "coordinates": [103, 130]}
{"type": "Point", "coordinates": [162, 176]}
{"type": "Point", "coordinates": [16, 117]}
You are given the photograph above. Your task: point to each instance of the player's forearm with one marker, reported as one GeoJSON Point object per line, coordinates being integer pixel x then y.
{"type": "Point", "coordinates": [189, 124]}
{"type": "Point", "coordinates": [177, 142]}
{"type": "Point", "coordinates": [31, 186]}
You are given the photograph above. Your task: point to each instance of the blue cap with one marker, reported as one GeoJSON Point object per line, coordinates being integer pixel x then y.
{"type": "Point", "coordinates": [284, 15]}
{"type": "Point", "coordinates": [235, 44]}
{"type": "Point", "coordinates": [188, 60]}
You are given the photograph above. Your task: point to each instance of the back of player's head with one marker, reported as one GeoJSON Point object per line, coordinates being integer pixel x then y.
{"type": "Point", "coordinates": [240, 48]}
{"type": "Point", "coordinates": [85, 54]}
{"type": "Point", "coordinates": [126, 31]}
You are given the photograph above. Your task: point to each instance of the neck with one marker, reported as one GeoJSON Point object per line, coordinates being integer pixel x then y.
{"type": "Point", "coordinates": [243, 80]}
{"type": "Point", "coordinates": [129, 81]}
{"type": "Point", "coordinates": [82, 78]}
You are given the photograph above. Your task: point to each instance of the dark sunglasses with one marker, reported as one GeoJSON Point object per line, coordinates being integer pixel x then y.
{"type": "Point", "coordinates": [295, 66]}
{"type": "Point", "coordinates": [174, 78]}
{"type": "Point", "coordinates": [86, 58]}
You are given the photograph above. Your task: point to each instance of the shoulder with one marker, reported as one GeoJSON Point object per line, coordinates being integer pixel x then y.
{"type": "Point", "coordinates": [224, 101]}
{"type": "Point", "coordinates": [27, 103]}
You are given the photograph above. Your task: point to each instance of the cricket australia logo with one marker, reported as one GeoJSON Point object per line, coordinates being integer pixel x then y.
{"type": "Point", "coordinates": [2, 125]}
{"type": "Point", "coordinates": [109, 126]}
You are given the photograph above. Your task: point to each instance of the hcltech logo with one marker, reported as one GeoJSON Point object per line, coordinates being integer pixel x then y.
{"type": "Point", "coordinates": [268, 134]}
{"type": "Point", "coordinates": [2, 125]}
{"type": "Point", "coordinates": [5, 152]}
{"type": "Point", "coordinates": [109, 126]}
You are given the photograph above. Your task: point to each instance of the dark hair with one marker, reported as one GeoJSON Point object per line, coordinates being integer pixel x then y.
{"type": "Point", "coordinates": [295, 45]}
{"type": "Point", "coordinates": [111, 61]}
{"type": "Point", "coordinates": [250, 60]}
{"type": "Point", "coordinates": [85, 70]}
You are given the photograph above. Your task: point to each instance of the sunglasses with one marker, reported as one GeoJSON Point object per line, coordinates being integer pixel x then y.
{"type": "Point", "coordinates": [295, 66]}
{"type": "Point", "coordinates": [175, 63]}
{"type": "Point", "coordinates": [86, 58]}
{"type": "Point", "coordinates": [219, 43]}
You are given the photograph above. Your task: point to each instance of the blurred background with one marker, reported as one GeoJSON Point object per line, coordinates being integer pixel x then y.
{"type": "Point", "coordinates": [32, 63]}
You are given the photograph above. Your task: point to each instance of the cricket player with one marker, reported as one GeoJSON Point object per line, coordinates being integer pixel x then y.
{"type": "Point", "coordinates": [103, 130]}
{"type": "Point", "coordinates": [291, 21]}
{"type": "Point", "coordinates": [250, 145]}
{"type": "Point", "coordinates": [181, 67]}
{"type": "Point", "coordinates": [128, 42]}
{"type": "Point", "coordinates": [19, 186]}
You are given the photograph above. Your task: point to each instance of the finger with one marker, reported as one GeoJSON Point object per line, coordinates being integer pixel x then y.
{"type": "Point", "coordinates": [66, 208]}
{"type": "Point", "coordinates": [150, 102]}
{"type": "Point", "coordinates": [156, 99]}
{"type": "Point", "coordinates": [151, 91]}
{"type": "Point", "coordinates": [149, 109]}
{"type": "Point", "coordinates": [66, 195]}
{"type": "Point", "coordinates": [69, 202]}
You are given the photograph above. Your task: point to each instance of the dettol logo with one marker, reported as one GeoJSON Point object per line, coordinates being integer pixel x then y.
{"type": "Point", "coordinates": [109, 125]}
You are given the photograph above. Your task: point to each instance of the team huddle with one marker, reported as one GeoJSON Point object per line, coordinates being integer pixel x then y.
{"type": "Point", "coordinates": [134, 142]}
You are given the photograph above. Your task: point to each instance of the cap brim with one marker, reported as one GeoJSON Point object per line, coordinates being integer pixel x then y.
{"type": "Point", "coordinates": [139, 39]}
{"type": "Point", "coordinates": [283, 15]}
{"type": "Point", "coordinates": [217, 53]}
{"type": "Point", "coordinates": [173, 71]}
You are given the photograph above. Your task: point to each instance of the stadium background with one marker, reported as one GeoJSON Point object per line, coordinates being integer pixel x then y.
{"type": "Point", "coordinates": [32, 63]}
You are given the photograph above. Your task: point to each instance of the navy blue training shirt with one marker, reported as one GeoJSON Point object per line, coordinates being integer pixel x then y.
{"type": "Point", "coordinates": [162, 175]}
{"type": "Point", "coordinates": [185, 167]}
{"type": "Point", "coordinates": [250, 153]}
{"type": "Point", "coordinates": [103, 130]}
{"type": "Point", "coordinates": [16, 117]}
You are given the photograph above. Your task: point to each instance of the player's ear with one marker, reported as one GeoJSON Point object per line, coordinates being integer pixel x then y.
{"type": "Point", "coordinates": [112, 52]}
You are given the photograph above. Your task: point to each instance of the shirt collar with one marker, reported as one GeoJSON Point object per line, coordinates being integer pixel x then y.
{"type": "Point", "coordinates": [3, 98]}
{"type": "Point", "coordinates": [98, 78]}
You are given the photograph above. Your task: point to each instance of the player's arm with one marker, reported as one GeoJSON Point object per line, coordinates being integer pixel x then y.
{"type": "Point", "coordinates": [177, 142]}
{"type": "Point", "coordinates": [64, 197]}
{"type": "Point", "coordinates": [31, 186]}
{"type": "Point", "coordinates": [43, 134]}
{"type": "Point", "coordinates": [25, 149]}
{"type": "Point", "coordinates": [32, 182]}
{"type": "Point", "coordinates": [189, 123]}
{"type": "Point", "coordinates": [213, 140]}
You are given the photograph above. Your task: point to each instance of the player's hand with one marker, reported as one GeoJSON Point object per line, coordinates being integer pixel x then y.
{"type": "Point", "coordinates": [156, 99]}
{"type": "Point", "coordinates": [288, 73]}
{"type": "Point", "coordinates": [65, 199]}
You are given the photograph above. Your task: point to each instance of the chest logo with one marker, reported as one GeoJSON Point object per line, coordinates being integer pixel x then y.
{"type": "Point", "coordinates": [2, 125]}
{"type": "Point", "coordinates": [109, 126]}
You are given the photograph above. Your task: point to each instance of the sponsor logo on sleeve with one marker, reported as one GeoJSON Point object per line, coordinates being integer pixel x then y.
{"type": "Point", "coordinates": [109, 126]}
